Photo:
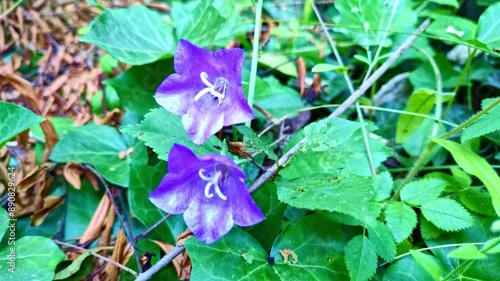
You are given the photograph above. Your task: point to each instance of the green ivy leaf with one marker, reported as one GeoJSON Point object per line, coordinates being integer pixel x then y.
{"type": "Point", "coordinates": [15, 119]}
{"type": "Point", "coordinates": [429, 263]}
{"type": "Point", "coordinates": [419, 192]}
{"type": "Point", "coordinates": [488, 26]}
{"type": "Point", "coordinates": [253, 143]}
{"type": "Point", "coordinates": [137, 85]}
{"type": "Point", "coordinates": [366, 20]}
{"type": "Point", "coordinates": [99, 146]}
{"type": "Point", "coordinates": [446, 214]}
{"type": "Point", "coordinates": [360, 258]}
{"type": "Point", "coordinates": [401, 220]}
{"type": "Point", "coordinates": [200, 21]}
{"type": "Point", "coordinates": [36, 259]}
{"type": "Point", "coordinates": [74, 266]}
{"type": "Point", "coordinates": [485, 124]}
{"type": "Point", "coordinates": [119, 33]}
{"type": "Point", "coordinates": [160, 129]}
{"type": "Point", "coordinates": [477, 166]}
{"type": "Point", "coordinates": [467, 252]}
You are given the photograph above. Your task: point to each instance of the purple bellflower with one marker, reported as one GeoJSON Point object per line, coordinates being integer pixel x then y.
{"type": "Point", "coordinates": [206, 90]}
{"type": "Point", "coordinates": [210, 191]}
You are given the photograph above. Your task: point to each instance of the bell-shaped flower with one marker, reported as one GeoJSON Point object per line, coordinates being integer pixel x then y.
{"type": "Point", "coordinates": [206, 90]}
{"type": "Point", "coordinates": [210, 191]}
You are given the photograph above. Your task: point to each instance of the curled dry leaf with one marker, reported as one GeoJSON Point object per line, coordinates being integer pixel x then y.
{"type": "Point", "coordinates": [96, 224]}
{"type": "Point", "coordinates": [50, 203]}
{"type": "Point", "coordinates": [238, 148]}
{"type": "Point", "coordinates": [121, 254]}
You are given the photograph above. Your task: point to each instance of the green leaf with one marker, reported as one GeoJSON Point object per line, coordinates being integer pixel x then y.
{"type": "Point", "coordinates": [253, 143]}
{"type": "Point", "coordinates": [488, 26]}
{"type": "Point", "coordinates": [134, 35]}
{"type": "Point", "coordinates": [381, 237]}
{"type": "Point", "coordinates": [467, 252]}
{"type": "Point", "coordinates": [15, 119]}
{"type": "Point", "coordinates": [200, 21]}
{"type": "Point", "coordinates": [477, 166]}
{"type": "Point", "coordinates": [160, 129]}
{"type": "Point", "coordinates": [406, 269]}
{"type": "Point", "coordinates": [453, 28]}
{"type": "Point", "coordinates": [383, 186]}
{"type": "Point", "coordinates": [266, 198]}
{"type": "Point", "coordinates": [279, 100]}
{"type": "Point", "coordinates": [107, 63]}
{"type": "Point", "coordinates": [453, 3]}
{"type": "Point", "coordinates": [477, 200]}
{"type": "Point", "coordinates": [348, 194]}
{"type": "Point", "coordinates": [36, 259]}
{"type": "Point", "coordinates": [428, 230]}
{"type": "Point", "coordinates": [366, 20]}
{"type": "Point", "coordinates": [360, 258]}
{"type": "Point", "coordinates": [485, 124]}
{"type": "Point", "coordinates": [446, 214]}
{"type": "Point", "coordinates": [4, 222]}
{"type": "Point", "coordinates": [420, 192]}
{"type": "Point", "coordinates": [99, 146]}
{"type": "Point", "coordinates": [429, 263]}
{"type": "Point", "coordinates": [61, 125]}
{"type": "Point", "coordinates": [318, 243]}
{"type": "Point", "coordinates": [492, 246]}
{"type": "Point", "coordinates": [280, 63]}
{"type": "Point", "coordinates": [326, 67]}
{"type": "Point", "coordinates": [74, 266]}
{"type": "Point", "coordinates": [225, 259]}
{"type": "Point", "coordinates": [327, 133]}
{"type": "Point", "coordinates": [137, 85]}
{"type": "Point", "coordinates": [401, 220]}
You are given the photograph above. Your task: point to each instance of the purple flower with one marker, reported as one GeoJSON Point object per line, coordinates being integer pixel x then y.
{"type": "Point", "coordinates": [206, 90]}
{"type": "Point", "coordinates": [209, 190]}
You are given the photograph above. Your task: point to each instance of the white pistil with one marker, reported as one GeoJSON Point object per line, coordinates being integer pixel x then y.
{"type": "Point", "coordinates": [212, 181]}
{"type": "Point", "coordinates": [212, 88]}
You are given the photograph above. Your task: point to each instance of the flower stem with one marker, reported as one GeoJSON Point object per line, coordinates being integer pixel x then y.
{"type": "Point", "coordinates": [255, 55]}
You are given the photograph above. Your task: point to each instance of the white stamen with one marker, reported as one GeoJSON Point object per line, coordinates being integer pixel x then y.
{"type": "Point", "coordinates": [211, 88]}
{"type": "Point", "coordinates": [212, 181]}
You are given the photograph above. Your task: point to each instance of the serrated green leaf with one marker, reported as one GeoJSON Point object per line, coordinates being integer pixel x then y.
{"type": "Point", "coordinates": [137, 85]}
{"type": "Point", "coordinates": [477, 166]}
{"type": "Point", "coordinates": [485, 124]}
{"type": "Point", "coordinates": [200, 21]}
{"type": "Point", "coordinates": [15, 119]}
{"type": "Point", "coordinates": [253, 143]}
{"type": "Point", "coordinates": [4, 222]}
{"type": "Point", "coordinates": [36, 259]}
{"type": "Point", "coordinates": [99, 146]}
{"type": "Point", "coordinates": [429, 263]}
{"type": "Point", "coordinates": [318, 243]}
{"type": "Point", "coordinates": [446, 214]}
{"type": "Point", "coordinates": [119, 33]}
{"type": "Point", "coordinates": [488, 26]}
{"type": "Point", "coordinates": [325, 67]}
{"type": "Point", "coordinates": [477, 201]}
{"type": "Point", "coordinates": [401, 220]}
{"type": "Point", "coordinates": [427, 229]}
{"type": "Point", "coordinates": [160, 129]}
{"type": "Point", "coordinates": [467, 252]}
{"type": "Point", "coordinates": [453, 3]}
{"type": "Point", "coordinates": [360, 258]}
{"type": "Point", "coordinates": [383, 186]}
{"type": "Point", "coordinates": [347, 194]}
{"type": "Point", "coordinates": [368, 19]}
{"type": "Point", "coordinates": [419, 192]}
{"type": "Point", "coordinates": [327, 133]}
{"type": "Point", "coordinates": [406, 269]}
{"type": "Point", "coordinates": [381, 237]}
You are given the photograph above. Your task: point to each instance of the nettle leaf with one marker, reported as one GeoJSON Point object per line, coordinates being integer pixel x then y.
{"type": "Point", "coordinates": [447, 214]}
{"type": "Point", "coordinates": [485, 124]}
{"type": "Point", "coordinates": [347, 194]}
{"type": "Point", "coordinates": [360, 258]}
{"type": "Point", "coordinates": [15, 119]}
{"type": "Point", "coordinates": [137, 85]}
{"type": "Point", "coordinates": [102, 147]}
{"type": "Point", "coordinates": [253, 143]}
{"type": "Point", "coordinates": [366, 20]}
{"type": "Point", "coordinates": [467, 252]}
{"type": "Point", "coordinates": [477, 166]}
{"type": "Point", "coordinates": [427, 229]}
{"type": "Point", "coordinates": [36, 259]}
{"type": "Point", "coordinates": [477, 201]}
{"type": "Point", "coordinates": [311, 248]}
{"type": "Point", "coordinates": [488, 26]}
{"type": "Point", "coordinates": [401, 220]}
{"type": "Point", "coordinates": [429, 263]}
{"type": "Point", "coordinates": [225, 258]}
{"type": "Point", "coordinates": [160, 129]}
{"type": "Point", "coordinates": [200, 21]}
{"type": "Point", "coordinates": [330, 132]}
{"type": "Point", "coordinates": [117, 31]}
{"type": "Point", "coordinates": [420, 192]}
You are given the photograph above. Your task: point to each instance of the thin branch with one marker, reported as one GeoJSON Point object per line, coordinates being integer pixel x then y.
{"type": "Point", "coordinates": [146, 275]}
{"type": "Point", "coordinates": [145, 233]}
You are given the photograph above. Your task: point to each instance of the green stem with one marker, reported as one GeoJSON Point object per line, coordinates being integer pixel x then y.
{"type": "Point", "coordinates": [255, 55]}
{"type": "Point", "coordinates": [10, 9]}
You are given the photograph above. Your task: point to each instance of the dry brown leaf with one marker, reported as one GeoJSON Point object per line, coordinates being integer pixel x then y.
{"type": "Point", "coordinates": [286, 253]}
{"type": "Point", "coordinates": [25, 88]}
{"type": "Point", "coordinates": [50, 203]}
{"type": "Point", "coordinates": [72, 173]}
{"type": "Point", "coordinates": [181, 263]}
{"type": "Point", "coordinates": [121, 254]}
{"type": "Point", "coordinates": [97, 222]}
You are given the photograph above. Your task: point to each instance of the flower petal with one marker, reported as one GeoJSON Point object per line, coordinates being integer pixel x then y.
{"type": "Point", "coordinates": [191, 60]}
{"type": "Point", "coordinates": [177, 92]}
{"type": "Point", "coordinates": [240, 111]}
{"type": "Point", "coordinates": [181, 159]}
{"type": "Point", "coordinates": [200, 125]}
{"type": "Point", "coordinates": [174, 192]}
{"type": "Point", "coordinates": [230, 62]}
{"type": "Point", "coordinates": [245, 211]}
{"type": "Point", "coordinates": [208, 219]}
